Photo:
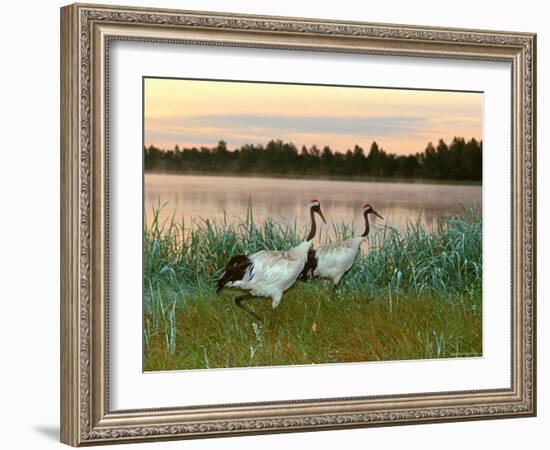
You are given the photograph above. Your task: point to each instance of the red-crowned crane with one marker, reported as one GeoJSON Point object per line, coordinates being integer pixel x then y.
{"type": "Point", "coordinates": [334, 259]}
{"type": "Point", "coordinates": [269, 273]}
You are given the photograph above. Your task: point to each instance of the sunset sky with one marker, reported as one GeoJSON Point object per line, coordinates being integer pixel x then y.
{"type": "Point", "coordinates": [200, 113]}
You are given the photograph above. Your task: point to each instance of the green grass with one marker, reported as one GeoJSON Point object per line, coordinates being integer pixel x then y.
{"type": "Point", "coordinates": [413, 294]}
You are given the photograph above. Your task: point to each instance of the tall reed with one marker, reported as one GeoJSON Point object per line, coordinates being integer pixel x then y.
{"type": "Point", "coordinates": [444, 260]}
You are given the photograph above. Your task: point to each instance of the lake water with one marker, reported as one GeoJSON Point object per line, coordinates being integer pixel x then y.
{"type": "Point", "coordinates": [194, 197]}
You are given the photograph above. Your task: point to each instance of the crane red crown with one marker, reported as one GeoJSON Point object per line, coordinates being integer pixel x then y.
{"type": "Point", "coordinates": [366, 205]}
{"type": "Point", "coordinates": [314, 201]}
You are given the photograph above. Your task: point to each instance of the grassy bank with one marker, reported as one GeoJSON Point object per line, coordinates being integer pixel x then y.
{"type": "Point", "coordinates": [413, 294]}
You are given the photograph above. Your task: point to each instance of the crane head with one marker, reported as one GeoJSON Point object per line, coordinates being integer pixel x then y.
{"type": "Point", "coordinates": [315, 206]}
{"type": "Point", "coordinates": [368, 209]}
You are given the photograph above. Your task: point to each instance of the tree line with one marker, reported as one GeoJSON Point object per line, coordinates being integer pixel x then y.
{"type": "Point", "coordinates": [460, 160]}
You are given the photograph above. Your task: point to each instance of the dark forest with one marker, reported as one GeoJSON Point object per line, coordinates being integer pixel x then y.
{"type": "Point", "coordinates": [460, 160]}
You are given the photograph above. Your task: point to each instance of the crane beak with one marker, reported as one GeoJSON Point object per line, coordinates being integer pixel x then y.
{"type": "Point", "coordinates": [322, 216]}
{"type": "Point", "coordinates": [376, 214]}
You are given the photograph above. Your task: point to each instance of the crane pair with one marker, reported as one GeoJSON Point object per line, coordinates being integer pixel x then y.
{"type": "Point", "coordinates": [270, 273]}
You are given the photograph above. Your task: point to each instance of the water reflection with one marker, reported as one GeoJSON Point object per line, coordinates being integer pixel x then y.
{"type": "Point", "coordinates": [194, 197]}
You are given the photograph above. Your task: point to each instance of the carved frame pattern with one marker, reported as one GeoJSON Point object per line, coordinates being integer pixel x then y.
{"type": "Point", "coordinates": [86, 418]}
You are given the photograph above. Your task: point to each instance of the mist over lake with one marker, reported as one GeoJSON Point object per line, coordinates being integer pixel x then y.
{"type": "Point", "coordinates": [192, 198]}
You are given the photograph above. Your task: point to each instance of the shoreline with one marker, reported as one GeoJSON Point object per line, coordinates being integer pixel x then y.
{"type": "Point", "coordinates": [369, 179]}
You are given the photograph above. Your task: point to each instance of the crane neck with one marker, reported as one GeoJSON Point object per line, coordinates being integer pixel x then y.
{"type": "Point", "coordinates": [367, 225]}
{"type": "Point", "coordinates": [313, 229]}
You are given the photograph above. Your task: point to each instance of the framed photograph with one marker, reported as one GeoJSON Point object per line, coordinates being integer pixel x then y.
{"type": "Point", "coordinates": [276, 224]}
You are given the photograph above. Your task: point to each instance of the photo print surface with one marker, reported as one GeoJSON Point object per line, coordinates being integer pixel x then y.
{"type": "Point", "coordinates": [293, 224]}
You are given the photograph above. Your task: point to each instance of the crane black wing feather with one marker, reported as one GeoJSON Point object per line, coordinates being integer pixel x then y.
{"type": "Point", "coordinates": [310, 266]}
{"type": "Point", "coordinates": [234, 270]}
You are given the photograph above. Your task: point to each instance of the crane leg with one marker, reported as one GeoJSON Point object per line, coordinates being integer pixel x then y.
{"type": "Point", "coordinates": [334, 290]}
{"type": "Point", "coordinates": [238, 302]}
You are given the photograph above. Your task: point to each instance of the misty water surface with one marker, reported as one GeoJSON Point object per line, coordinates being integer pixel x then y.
{"type": "Point", "coordinates": [193, 198]}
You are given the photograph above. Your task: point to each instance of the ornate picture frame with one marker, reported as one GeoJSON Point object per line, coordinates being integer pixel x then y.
{"type": "Point", "coordinates": [87, 32]}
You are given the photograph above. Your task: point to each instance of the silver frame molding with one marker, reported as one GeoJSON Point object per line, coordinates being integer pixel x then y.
{"type": "Point", "coordinates": [86, 32]}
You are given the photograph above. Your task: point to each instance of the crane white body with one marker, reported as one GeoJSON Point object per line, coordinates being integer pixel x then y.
{"type": "Point", "coordinates": [269, 273]}
{"type": "Point", "coordinates": [336, 258]}
{"type": "Point", "coordinates": [273, 272]}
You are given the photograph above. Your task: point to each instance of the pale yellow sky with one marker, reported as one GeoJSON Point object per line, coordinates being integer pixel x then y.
{"type": "Point", "coordinates": [200, 113]}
